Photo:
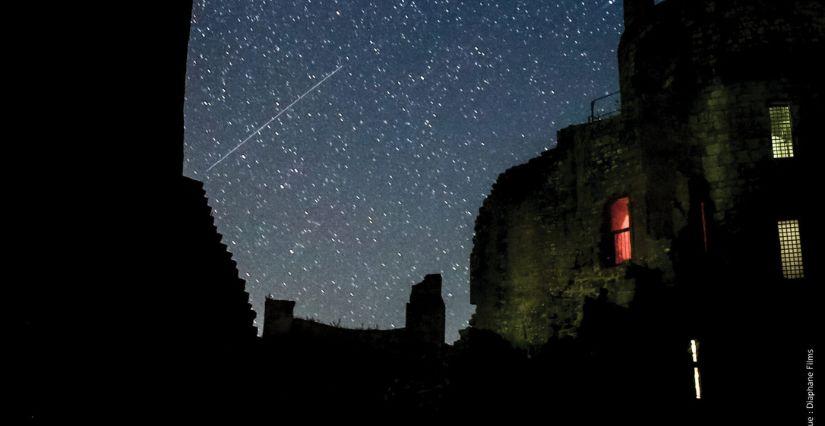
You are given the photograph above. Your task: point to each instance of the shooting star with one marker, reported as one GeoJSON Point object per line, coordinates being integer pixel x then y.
{"type": "Point", "coordinates": [273, 118]}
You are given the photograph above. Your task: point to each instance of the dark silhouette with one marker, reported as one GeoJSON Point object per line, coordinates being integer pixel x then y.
{"type": "Point", "coordinates": [715, 145]}
{"type": "Point", "coordinates": [674, 310]}
{"type": "Point", "coordinates": [577, 321]}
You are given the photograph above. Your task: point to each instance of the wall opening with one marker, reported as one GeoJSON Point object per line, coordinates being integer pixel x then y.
{"type": "Point", "coordinates": [781, 131]}
{"type": "Point", "coordinates": [790, 249]}
{"type": "Point", "coordinates": [620, 228]}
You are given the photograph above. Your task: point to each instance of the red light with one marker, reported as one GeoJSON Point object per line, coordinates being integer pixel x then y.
{"type": "Point", "coordinates": [620, 215]}
{"type": "Point", "coordinates": [620, 226]}
{"type": "Point", "coordinates": [622, 240]}
{"type": "Point", "coordinates": [704, 225]}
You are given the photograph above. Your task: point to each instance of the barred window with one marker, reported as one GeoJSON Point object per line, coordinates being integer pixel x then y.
{"type": "Point", "coordinates": [790, 249]}
{"type": "Point", "coordinates": [781, 134]}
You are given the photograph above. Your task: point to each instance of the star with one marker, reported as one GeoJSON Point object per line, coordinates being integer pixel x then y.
{"type": "Point", "coordinates": [355, 193]}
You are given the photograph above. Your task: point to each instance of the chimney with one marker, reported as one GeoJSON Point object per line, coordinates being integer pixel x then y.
{"type": "Point", "coordinates": [425, 312]}
{"type": "Point", "coordinates": [277, 316]}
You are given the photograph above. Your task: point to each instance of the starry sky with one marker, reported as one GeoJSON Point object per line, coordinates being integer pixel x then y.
{"type": "Point", "coordinates": [374, 179]}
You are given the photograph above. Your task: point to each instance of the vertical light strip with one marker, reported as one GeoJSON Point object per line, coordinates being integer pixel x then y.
{"type": "Point", "coordinates": [693, 350]}
{"type": "Point", "coordinates": [694, 353]}
{"type": "Point", "coordinates": [790, 249]}
{"type": "Point", "coordinates": [781, 133]}
{"type": "Point", "coordinates": [696, 383]}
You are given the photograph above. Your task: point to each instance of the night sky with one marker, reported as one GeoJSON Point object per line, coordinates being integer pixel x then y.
{"type": "Point", "coordinates": [375, 178]}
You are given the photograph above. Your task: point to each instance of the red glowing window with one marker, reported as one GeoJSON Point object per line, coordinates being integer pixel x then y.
{"type": "Point", "coordinates": [620, 227]}
{"type": "Point", "coordinates": [704, 225]}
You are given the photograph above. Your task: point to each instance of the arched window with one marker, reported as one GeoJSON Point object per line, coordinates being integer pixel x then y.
{"type": "Point", "coordinates": [620, 228]}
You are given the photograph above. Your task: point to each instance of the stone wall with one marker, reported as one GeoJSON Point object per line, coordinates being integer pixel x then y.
{"type": "Point", "coordinates": [425, 323]}
{"type": "Point", "coordinates": [425, 320]}
{"type": "Point", "coordinates": [692, 140]}
{"type": "Point", "coordinates": [539, 248]}
{"type": "Point", "coordinates": [220, 315]}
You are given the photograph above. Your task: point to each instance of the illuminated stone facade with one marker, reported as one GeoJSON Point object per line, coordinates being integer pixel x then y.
{"type": "Point", "coordinates": [691, 148]}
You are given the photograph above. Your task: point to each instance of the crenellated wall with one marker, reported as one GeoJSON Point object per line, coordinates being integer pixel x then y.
{"type": "Point", "coordinates": [221, 315]}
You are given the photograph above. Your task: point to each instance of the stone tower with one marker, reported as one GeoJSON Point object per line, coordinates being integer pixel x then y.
{"type": "Point", "coordinates": [696, 183]}
{"type": "Point", "coordinates": [425, 311]}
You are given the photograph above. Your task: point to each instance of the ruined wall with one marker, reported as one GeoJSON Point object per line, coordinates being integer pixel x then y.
{"type": "Point", "coordinates": [679, 47]}
{"type": "Point", "coordinates": [693, 135]}
{"type": "Point", "coordinates": [221, 315]}
{"type": "Point", "coordinates": [280, 322]}
{"type": "Point", "coordinates": [425, 320]}
{"type": "Point", "coordinates": [425, 323]}
{"type": "Point", "coordinates": [539, 247]}
{"type": "Point", "coordinates": [697, 79]}
{"type": "Point", "coordinates": [349, 372]}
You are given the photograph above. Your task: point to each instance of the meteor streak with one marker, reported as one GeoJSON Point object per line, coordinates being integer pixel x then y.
{"type": "Point", "coordinates": [273, 118]}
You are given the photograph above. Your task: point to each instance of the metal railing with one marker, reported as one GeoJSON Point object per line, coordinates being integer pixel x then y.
{"type": "Point", "coordinates": [605, 106]}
